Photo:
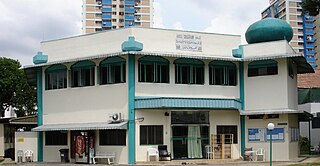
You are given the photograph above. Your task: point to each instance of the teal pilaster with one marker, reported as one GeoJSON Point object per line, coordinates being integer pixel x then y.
{"type": "Point", "coordinates": [270, 147]}
{"type": "Point", "coordinates": [239, 53]}
{"type": "Point", "coordinates": [40, 113]}
{"type": "Point", "coordinates": [131, 109]}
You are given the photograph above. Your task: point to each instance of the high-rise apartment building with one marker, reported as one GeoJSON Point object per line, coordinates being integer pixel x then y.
{"type": "Point", "coordinates": [303, 33]}
{"type": "Point", "coordinates": [101, 15]}
{"type": "Point", "coordinates": [316, 29]}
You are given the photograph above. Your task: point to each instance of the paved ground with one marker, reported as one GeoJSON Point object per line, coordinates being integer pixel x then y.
{"type": "Point", "coordinates": [7, 162]}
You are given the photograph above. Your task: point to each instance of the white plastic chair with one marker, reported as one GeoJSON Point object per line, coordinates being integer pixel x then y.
{"type": "Point", "coordinates": [28, 155]}
{"type": "Point", "coordinates": [261, 152]}
{"type": "Point", "coordinates": [153, 152]}
{"type": "Point", "coordinates": [209, 151]}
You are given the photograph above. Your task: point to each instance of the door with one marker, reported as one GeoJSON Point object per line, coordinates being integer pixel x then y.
{"type": "Point", "coordinates": [82, 146]}
{"type": "Point", "coordinates": [189, 141]}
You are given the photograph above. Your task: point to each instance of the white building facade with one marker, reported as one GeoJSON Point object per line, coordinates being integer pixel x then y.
{"type": "Point", "coordinates": [169, 87]}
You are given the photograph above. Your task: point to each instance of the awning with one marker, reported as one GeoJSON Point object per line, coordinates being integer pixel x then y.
{"type": "Point", "coordinates": [277, 111]}
{"type": "Point", "coordinates": [81, 126]}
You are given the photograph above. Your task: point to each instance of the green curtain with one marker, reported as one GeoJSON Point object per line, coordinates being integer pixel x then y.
{"type": "Point", "coordinates": [194, 142]}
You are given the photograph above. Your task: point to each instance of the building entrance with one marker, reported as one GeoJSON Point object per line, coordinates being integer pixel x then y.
{"type": "Point", "coordinates": [190, 134]}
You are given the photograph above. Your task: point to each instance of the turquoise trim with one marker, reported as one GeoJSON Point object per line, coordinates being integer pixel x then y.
{"type": "Point", "coordinates": [40, 58]}
{"type": "Point", "coordinates": [83, 64]}
{"type": "Point", "coordinates": [153, 59]}
{"type": "Point", "coordinates": [222, 63]}
{"type": "Point", "coordinates": [172, 102]}
{"type": "Point", "coordinates": [238, 53]}
{"type": "Point", "coordinates": [115, 59]}
{"type": "Point", "coordinates": [188, 61]}
{"type": "Point", "coordinates": [131, 45]}
{"type": "Point", "coordinates": [40, 113]}
{"type": "Point", "coordinates": [54, 68]}
{"type": "Point", "coordinates": [242, 118]}
{"type": "Point", "coordinates": [131, 110]}
{"type": "Point", "coordinates": [263, 63]}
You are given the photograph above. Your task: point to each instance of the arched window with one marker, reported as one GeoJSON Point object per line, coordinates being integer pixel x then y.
{"type": "Point", "coordinates": [222, 73]}
{"type": "Point", "coordinates": [113, 70]}
{"type": "Point", "coordinates": [56, 77]}
{"type": "Point", "coordinates": [262, 67]}
{"type": "Point", "coordinates": [153, 69]}
{"type": "Point", "coordinates": [189, 71]}
{"type": "Point", "coordinates": [82, 74]}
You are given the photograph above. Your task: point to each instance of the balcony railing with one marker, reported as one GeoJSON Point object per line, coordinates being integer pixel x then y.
{"type": "Point", "coordinates": [128, 2]}
{"type": "Point", "coordinates": [106, 16]}
{"type": "Point", "coordinates": [106, 24]}
{"type": "Point", "coordinates": [105, 10]}
{"type": "Point", "coordinates": [106, 1]}
{"type": "Point", "coordinates": [129, 10]}
{"type": "Point", "coordinates": [129, 17]}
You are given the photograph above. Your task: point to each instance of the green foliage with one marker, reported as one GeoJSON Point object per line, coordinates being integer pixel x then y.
{"type": "Point", "coordinates": [14, 89]}
{"type": "Point", "coordinates": [304, 144]}
{"type": "Point", "coordinates": [312, 7]}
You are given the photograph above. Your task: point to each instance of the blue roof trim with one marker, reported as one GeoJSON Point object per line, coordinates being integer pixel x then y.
{"type": "Point", "coordinates": [173, 102]}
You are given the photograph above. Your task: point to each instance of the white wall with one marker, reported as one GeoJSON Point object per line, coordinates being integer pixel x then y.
{"type": "Point", "coordinates": [292, 88]}
{"type": "Point", "coordinates": [282, 150]}
{"type": "Point", "coordinates": [226, 117]}
{"type": "Point", "coordinates": [51, 153]}
{"type": "Point", "coordinates": [1, 140]}
{"type": "Point", "coordinates": [267, 92]}
{"type": "Point", "coordinates": [152, 117]}
{"type": "Point", "coordinates": [154, 40]}
{"type": "Point", "coordinates": [172, 89]}
{"type": "Point", "coordinates": [121, 151]}
{"type": "Point", "coordinates": [26, 141]}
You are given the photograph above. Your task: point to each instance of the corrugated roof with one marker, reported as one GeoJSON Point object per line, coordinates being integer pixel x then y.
{"type": "Point", "coordinates": [81, 126]}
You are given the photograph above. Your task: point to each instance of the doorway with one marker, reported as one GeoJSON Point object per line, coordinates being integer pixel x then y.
{"type": "Point", "coordinates": [190, 134]}
{"type": "Point", "coordinates": [82, 146]}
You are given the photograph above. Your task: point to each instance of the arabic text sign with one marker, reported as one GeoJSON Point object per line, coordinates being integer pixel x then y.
{"type": "Point", "coordinates": [188, 42]}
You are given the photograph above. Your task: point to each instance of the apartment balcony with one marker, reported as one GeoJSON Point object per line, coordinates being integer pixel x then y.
{"type": "Point", "coordinates": [106, 16]}
{"type": "Point", "coordinates": [127, 24]}
{"type": "Point", "coordinates": [309, 25]}
{"type": "Point", "coordinates": [106, 24]}
{"type": "Point", "coordinates": [310, 52]}
{"type": "Point", "coordinates": [129, 17]}
{"type": "Point", "coordinates": [129, 10]}
{"type": "Point", "coordinates": [106, 10]}
{"type": "Point", "coordinates": [309, 32]}
{"type": "Point", "coordinates": [310, 45]}
{"type": "Point", "coordinates": [107, 2]}
{"type": "Point", "coordinates": [129, 2]}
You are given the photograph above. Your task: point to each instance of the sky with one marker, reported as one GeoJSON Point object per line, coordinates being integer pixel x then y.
{"type": "Point", "coordinates": [25, 23]}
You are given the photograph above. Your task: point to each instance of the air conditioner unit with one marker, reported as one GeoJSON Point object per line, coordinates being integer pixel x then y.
{"type": "Point", "coordinates": [117, 117]}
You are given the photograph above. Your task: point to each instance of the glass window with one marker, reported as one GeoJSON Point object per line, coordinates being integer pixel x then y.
{"type": "Point", "coordinates": [151, 135]}
{"type": "Point", "coordinates": [153, 69]}
{"type": "Point", "coordinates": [189, 71]}
{"type": "Point", "coordinates": [262, 68]}
{"type": "Point", "coordinates": [56, 77]}
{"type": "Point", "coordinates": [112, 137]}
{"type": "Point", "coordinates": [82, 74]}
{"type": "Point", "coordinates": [222, 73]}
{"type": "Point", "coordinates": [113, 71]}
{"type": "Point", "coordinates": [56, 138]}
{"type": "Point", "coordinates": [229, 130]}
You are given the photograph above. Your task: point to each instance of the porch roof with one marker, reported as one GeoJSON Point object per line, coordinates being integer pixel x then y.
{"type": "Point", "coordinates": [81, 126]}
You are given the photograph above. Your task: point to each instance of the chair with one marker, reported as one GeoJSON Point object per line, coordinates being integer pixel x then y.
{"type": "Point", "coordinates": [261, 152]}
{"type": "Point", "coordinates": [248, 154]}
{"type": "Point", "coordinates": [209, 151]}
{"type": "Point", "coordinates": [28, 155]}
{"type": "Point", "coordinates": [153, 153]}
{"type": "Point", "coordinates": [164, 155]}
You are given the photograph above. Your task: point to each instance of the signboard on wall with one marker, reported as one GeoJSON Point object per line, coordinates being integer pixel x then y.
{"type": "Point", "coordinates": [188, 42]}
{"type": "Point", "coordinates": [256, 134]}
{"type": "Point", "coordinates": [277, 134]}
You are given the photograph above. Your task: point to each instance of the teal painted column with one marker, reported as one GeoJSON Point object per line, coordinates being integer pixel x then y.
{"type": "Point", "coordinates": [40, 113]}
{"type": "Point", "coordinates": [242, 117]}
{"type": "Point", "coordinates": [131, 109]}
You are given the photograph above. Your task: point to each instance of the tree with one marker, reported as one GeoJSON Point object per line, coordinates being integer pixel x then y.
{"type": "Point", "coordinates": [15, 90]}
{"type": "Point", "coordinates": [311, 7]}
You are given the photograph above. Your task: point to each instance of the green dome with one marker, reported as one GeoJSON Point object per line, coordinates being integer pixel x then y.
{"type": "Point", "coordinates": [269, 29]}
